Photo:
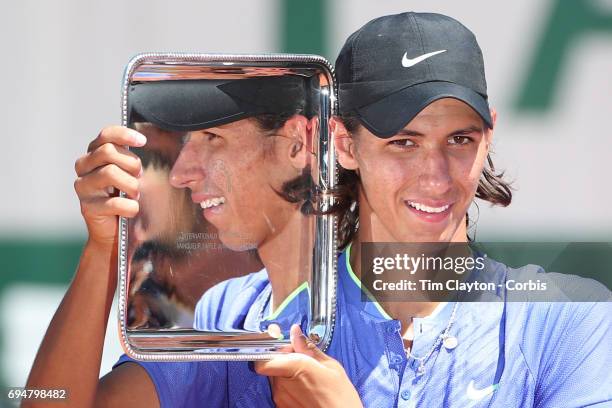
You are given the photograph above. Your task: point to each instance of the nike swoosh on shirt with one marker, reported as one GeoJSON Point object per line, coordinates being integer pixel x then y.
{"type": "Point", "coordinates": [407, 62]}
{"type": "Point", "coordinates": [476, 395]}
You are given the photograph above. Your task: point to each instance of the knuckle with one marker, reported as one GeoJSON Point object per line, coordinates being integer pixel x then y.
{"type": "Point", "coordinates": [78, 164]}
{"type": "Point", "coordinates": [110, 170]}
{"type": "Point", "coordinates": [86, 209]}
{"type": "Point", "coordinates": [304, 371]}
{"type": "Point", "coordinates": [77, 185]}
{"type": "Point", "coordinates": [104, 171]}
{"type": "Point", "coordinates": [106, 149]}
{"type": "Point", "coordinates": [301, 375]}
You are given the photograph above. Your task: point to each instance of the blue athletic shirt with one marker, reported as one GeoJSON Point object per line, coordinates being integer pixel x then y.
{"type": "Point", "coordinates": [508, 354]}
{"type": "Point", "coordinates": [245, 306]}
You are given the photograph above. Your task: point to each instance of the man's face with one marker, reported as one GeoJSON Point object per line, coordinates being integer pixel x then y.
{"type": "Point", "coordinates": [232, 172]}
{"type": "Point", "coordinates": [417, 185]}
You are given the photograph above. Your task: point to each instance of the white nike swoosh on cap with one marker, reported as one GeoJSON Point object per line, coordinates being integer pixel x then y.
{"type": "Point", "coordinates": [407, 62]}
{"type": "Point", "coordinates": [476, 395]}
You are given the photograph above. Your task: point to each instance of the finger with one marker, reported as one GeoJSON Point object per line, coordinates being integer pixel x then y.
{"type": "Point", "coordinates": [285, 365]}
{"type": "Point", "coordinates": [109, 206]}
{"type": "Point", "coordinates": [96, 183]}
{"type": "Point", "coordinates": [302, 344]}
{"type": "Point", "coordinates": [119, 135]}
{"type": "Point", "coordinates": [108, 153]}
{"type": "Point", "coordinates": [298, 340]}
{"type": "Point", "coordinates": [286, 348]}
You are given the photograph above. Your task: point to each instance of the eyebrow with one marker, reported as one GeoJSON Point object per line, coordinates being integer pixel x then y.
{"type": "Point", "coordinates": [463, 131]}
{"type": "Point", "coordinates": [213, 129]}
{"type": "Point", "coordinates": [408, 132]}
{"type": "Point", "coordinates": [469, 129]}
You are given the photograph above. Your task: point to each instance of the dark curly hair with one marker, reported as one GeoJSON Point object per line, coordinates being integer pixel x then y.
{"type": "Point", "coordinates": [299, 189]}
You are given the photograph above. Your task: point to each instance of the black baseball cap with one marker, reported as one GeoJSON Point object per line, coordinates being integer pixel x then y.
{"type": "Point", "coordinates": [187, 105]}
{"type": "Point", "coordinates": [394, 66]}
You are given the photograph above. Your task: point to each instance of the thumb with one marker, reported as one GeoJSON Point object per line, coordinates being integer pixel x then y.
{"type": "Point", "coordinates": [303, 345]}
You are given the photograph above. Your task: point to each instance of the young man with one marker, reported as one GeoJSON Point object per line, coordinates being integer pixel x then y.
{"type": "Point", "coordinates": [415, 85]}
{"type": "Point", "coordinates": [416, 129]}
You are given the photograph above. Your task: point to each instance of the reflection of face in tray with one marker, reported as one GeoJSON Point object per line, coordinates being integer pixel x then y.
{"type": "Point", "coordinates": [239, 173]}
{"type": "Point", "coordinates": [247, 179]}
{"type": "Point", "coordinates": [169, 269]}
{"type": "Point", "coordinates": [246, 150]}
{"type": "Point", "coordinates": [230, 165]}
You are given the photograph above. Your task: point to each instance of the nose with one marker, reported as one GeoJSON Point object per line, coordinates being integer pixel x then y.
{"type": "Point", "coordinates": [435, 178]}
{"type": "Point", "coordinates": [187, 169]}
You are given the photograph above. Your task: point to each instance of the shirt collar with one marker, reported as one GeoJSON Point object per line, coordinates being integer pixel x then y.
{"type": "Point", "coordinates": [355, 294]}
{"type": "Point", "coordinates": [295, 309]}
{"type": "Point", "coordinates": [358, 297]}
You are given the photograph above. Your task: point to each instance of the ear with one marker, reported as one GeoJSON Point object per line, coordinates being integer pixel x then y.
{"type": "Point", "coordinates": [345, 145]}
{"type": "Point", "coordinates": [299, 131]}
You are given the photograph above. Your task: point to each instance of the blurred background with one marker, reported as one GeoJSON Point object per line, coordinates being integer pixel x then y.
{"type": "Point", "coordinates": [549, 69]}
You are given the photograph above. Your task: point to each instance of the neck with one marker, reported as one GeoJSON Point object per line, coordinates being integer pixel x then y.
{"type": "Point", "coordinates": [288, 263]}
{"type": "Point", "coordinates": [402, 311]}
{"type": "Point", "coordinates": [371, 229]}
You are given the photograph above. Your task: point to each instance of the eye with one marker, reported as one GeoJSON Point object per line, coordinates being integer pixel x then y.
{"type": "Point", "coordinates": [402, 143]}
{"type": "Point", "coordinates": [459, 140]}
{"type": "Point", "coordinates": [211, 136]}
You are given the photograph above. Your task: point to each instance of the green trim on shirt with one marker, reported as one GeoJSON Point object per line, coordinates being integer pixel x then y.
{"type": "Point", "coordinates": [287, 300]}
{"type": "Point", "coordinates": [362, 287]}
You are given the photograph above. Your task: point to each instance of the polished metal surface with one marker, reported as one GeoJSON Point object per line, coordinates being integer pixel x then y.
{"type": "Point", "coordinates": [185, 344]}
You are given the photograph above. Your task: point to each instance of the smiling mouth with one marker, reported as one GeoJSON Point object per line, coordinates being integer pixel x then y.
{"type": "Point", "coordinates": [212, 202]}
{"type": "Point", "coordinates": [427, 209]}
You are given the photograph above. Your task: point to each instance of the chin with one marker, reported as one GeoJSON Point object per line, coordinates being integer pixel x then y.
{"type": "Point", "coordinates": [422, 239]}
{"type": "Point", "coordinates": [428, 235]}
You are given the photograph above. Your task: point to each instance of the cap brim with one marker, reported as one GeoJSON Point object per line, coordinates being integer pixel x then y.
{"type": "Point", "coordinates": [184, 105]}
{"type": "Point", "coordinates": [390, 114]}
{"type": "Point", "coordinates": [187, 105]}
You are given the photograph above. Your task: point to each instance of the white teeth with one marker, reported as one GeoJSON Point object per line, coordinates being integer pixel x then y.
{"type": "Point", "coordinates": [212, 202]}
{"type": "Point", "coordinates": [424, 208]}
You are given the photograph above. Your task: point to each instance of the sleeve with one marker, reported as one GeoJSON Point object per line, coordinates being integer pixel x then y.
{"type": "Point", "coordinates": [188, 384]}
{"type": "Point", "coordinates": [575, 368]}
